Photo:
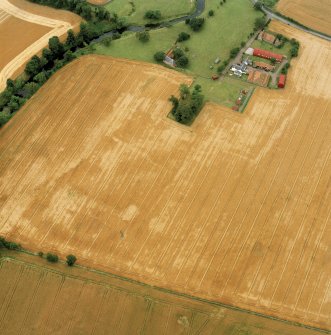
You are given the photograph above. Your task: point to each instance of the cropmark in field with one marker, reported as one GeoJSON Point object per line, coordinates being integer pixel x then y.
{"type": "Point", "coordinates": [79, 301]}
{"type": "Point", "coordinates": [234, 209]}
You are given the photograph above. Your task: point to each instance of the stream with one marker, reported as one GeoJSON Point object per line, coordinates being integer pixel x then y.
{"type": "Point", "coordinates": [200, 6]}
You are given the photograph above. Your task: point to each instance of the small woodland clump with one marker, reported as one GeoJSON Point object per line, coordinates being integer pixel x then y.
{"type": "Point", "coordinates": [187, 107]}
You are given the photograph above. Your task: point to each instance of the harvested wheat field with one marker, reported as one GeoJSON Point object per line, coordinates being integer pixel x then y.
{"type": "Point", "coordinates": [64, 300]}
{"type": "Point", "coordinates": [25, 29]}
{"type": "Point", "coordinates": [18, 35]}
{"type": "Point", "coordinates": [48, 12]}
{"type": "Point", "coordinates": [234, 209]}
{"type": "Point", "coordinates": [315, 14]}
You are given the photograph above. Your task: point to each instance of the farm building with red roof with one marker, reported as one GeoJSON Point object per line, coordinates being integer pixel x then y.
{"type": "Point", "coordinates": [281, 81]}
{"type": "Point", "coordinates": [267, 55]}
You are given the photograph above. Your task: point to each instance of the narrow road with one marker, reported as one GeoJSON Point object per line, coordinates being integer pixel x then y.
{"type": "Point", "coordinates": [275, 16]}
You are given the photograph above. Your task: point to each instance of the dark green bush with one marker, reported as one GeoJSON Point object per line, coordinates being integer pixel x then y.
{"type": "Point", "coordinates": [234, 52]}
{"type": "Point", "coordinates": [4, 244]}
{"type": "Point", "coordinates": [71, 260]}
{"type": "Point", "coordinates": [183, 37]}
{"type": "Point", "coordinates": [52, 258]}
{"type": "Point", "coordinates": [196, 23]}
{"type": "Point", "coordinates": [159, 56]}
{"type": "Point", "coordinates": [182, 61]}
{"type": "Point", "coordinates": [143, 36]}
{"type": "Point", "coordinates": [153, 15]}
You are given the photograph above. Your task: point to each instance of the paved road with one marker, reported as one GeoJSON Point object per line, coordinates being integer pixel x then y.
{"type": "Point", "coordinates": [275, 16]}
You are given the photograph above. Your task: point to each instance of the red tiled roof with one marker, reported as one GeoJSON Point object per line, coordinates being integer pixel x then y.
{"type": "Point", "coordinates": [281, 80]}
{"type": "Point", "coordinates": [267, 54]}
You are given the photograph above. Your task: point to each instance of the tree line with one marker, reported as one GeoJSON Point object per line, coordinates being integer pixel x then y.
{"type": "Point", "coordinates": [52, 258]}
{"type": "Point", "coordinates": [40, 68]}
{"type": "Point", "coordinates": [80, 7]}
{"type": "Point", "coordinates": [103, 19]}
{"type": "Point", "coordinates": [4, 244]}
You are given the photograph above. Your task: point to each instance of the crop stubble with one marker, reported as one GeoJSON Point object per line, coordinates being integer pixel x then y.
{"type": "Point", "coordinates": [25, 29]}
{"type": "Point", "coordinates": [315, 14]}
{"type": "Point", "coordinates": [16, 35]}
{"type": "Point", "coordinates": [78, 301]}
{"type": "Point", "coordinates": [235, 208]}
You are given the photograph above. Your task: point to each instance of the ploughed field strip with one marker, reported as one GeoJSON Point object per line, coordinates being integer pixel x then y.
{"type": "Point", "coordinates": [78, 301]}
{"type": "Point", "coordinates": [234, 209]}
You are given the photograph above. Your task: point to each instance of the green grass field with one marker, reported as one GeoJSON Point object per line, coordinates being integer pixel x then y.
{"type": "Point", "coordinates": [284, 50]}
{"type": "Point", "coordinates": [270, 3]}
{"type": "Point", "coordinates": [230, 25]}
{"type": "Point", "coordinates": [226, 30]}
{"type": "Point", "coordinates": [224, 91]}
{"type": "Point", "coordinates": [129, 47]}
{"type": "Point", "coordinates": [134, 10]}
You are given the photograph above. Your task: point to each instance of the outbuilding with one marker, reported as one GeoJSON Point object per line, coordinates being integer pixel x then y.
{"type": "Point", "coordinates": [169, 61]}
{"type": "Point", "coordinates": [281, 81]}
{"type": "Point", "coordinates": [264, 66]}
{"type": "Point", "coordinates": [266, 54]}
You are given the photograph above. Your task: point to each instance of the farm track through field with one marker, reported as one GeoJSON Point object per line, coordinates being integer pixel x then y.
{"type": "Point", "coordinates": [92, 303]}
{"type": "Point", "coordinates": [58, 28]}
{"type": "Point", "coordinates": [3, 16]}
{"type": "Point", "coordinates": [235, 207]}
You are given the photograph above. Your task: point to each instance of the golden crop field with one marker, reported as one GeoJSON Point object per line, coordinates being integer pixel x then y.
{"type": "Point", "coordinates": [16, 35]}
{"type": "Point", "coordinates": [76, 301]}
{"type": "Point", "coordinates": [25, 29]}
{"type": "Point", "coordinates": [234, 209]}
{"type": "Point", "coordinates": [315, 14]}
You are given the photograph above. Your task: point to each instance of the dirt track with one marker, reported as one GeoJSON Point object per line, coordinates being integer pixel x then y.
{"type": "Point", "coordinates": [20, 35]}
{"type": "Point", "coordinates": [91, 303]}
{"type": "Point", "coordinates": [315, 14]}
{"type": "Point", "coordinates": [98, 2]}
{"type": "Point", "coordinates": [58, 28]}
{"type": "Point", "coordinates": [234, 209]}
